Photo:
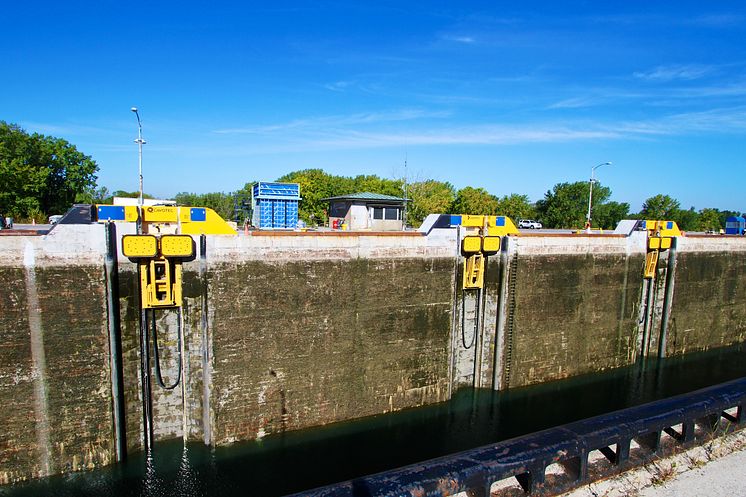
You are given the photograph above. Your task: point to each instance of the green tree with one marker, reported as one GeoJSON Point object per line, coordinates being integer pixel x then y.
{"type": "Point", "coordinates": [516, 207]}
{"type": "Point", "coordinates": [428, 197]}
{"type": "Point", "coordinates": [316, 185]}
{"type": "Point", "coordinates": [376, 184]}
{"type": "Point", "coordinates": [566, 204]}
{"type": "Point", "coordinates": [608, 215]}
{"type": "Point", "coordinates": [221, 203]}
{"type": "Point", "coordinates": [687, 220]}
{"type": "Point", "coordinates": [470, 200]}
{"type": "Point", "coordinates": [709, 220]}
{"type": "Point", "coordinates": [660, 207]}
{"type": "Point", "coordinates": [41, 174]}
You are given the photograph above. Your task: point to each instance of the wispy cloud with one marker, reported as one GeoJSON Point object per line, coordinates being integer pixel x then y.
{"type": "Point", "coordinates": [325, 122]}
{"type": "Point", "coordinates": [339, 85]}
{"type": "Point", "coordinates": [459, 39]}
{"type": "Point", "coordinates": [673, 72]}
{"type": "Point", "coordinates": [469, 135]}
{"type": "Point", "coordinates": [63, 130]}
{"type": "Point", "coordinates": [717, 20]}
{"type": "Point", "coordinates": [723, 120]}
{"type": "Point", "coordinates": [576, 102]}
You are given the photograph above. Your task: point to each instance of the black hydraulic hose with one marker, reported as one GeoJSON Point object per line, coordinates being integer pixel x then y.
{"type": "Point", "coordinates": [156, 355]}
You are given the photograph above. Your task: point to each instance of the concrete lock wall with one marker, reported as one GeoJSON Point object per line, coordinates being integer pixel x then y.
{"type": "Point", "coordinates": [283, 331]}
{"type": "Point", "coordinates": [54, 358]}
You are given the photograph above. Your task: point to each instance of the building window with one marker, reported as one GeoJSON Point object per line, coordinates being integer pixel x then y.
{"type": "Point", "coordinates": [377, 212]}
{"type": "Point", "coordinates": [338, 209]}
{"type": "Point", "coordinates": [392, 213]}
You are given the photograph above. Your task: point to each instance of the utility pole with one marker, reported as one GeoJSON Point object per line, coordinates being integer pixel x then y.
{"type": "Point", "coordinates": [140, 142]}
{"type": "Point", "coordinates": [590, 195]}
{"type": "Point", "coordinates": [405, 192]}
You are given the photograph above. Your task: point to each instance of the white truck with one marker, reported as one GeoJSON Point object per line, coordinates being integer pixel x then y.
{"type": "Point", "coordinates": [529, 224]}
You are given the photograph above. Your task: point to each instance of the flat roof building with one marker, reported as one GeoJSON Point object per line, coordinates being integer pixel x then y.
{"type": "Point", "coordinates": [367, 211]}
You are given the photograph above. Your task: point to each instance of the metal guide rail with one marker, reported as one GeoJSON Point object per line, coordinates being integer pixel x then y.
{"type": "Point", "coordinates": [526, 458]}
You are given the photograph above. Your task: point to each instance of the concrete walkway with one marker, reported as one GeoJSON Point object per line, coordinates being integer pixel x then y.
{"type": "Point", "coordinates": [725, 476]}
{"type": "Point", "coordinates": [717, 468]}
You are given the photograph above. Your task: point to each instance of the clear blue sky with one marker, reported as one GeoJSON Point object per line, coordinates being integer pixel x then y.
{"type": "Point", "coordinates": [510, 96]}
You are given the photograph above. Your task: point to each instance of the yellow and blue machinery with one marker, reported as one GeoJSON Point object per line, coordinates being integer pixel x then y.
{"type": "Point", "coordinates": [163, 241]}
{"type": "Point", "coordinates": [159, 266]}
{"type": "Point", "coordinates": [167, 219]}
{"type": "Point", "coordinates": [660, 238]}
{"type": "Point", "coordinates": [482, 239]}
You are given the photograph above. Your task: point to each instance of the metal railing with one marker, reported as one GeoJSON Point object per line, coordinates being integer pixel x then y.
{"type": "Point", "coordinates": [687, 419]}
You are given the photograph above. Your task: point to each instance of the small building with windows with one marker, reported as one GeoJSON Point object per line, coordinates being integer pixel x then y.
{"type": "Point", "coordinates": [367, 211]}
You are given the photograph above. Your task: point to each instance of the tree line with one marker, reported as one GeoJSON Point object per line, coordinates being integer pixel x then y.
{"type": "Point", "coordinates": [42, 175]}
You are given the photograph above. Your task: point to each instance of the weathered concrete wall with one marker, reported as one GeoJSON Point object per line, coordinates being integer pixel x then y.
{"type": "Point", "coordinates": [709, 297]}
{"type": "Point", "coordinates": [54, 375]}
{"type": "Point", "coordinates": [573, 306]}
{"type": "Point", "coordinates": [332, 336]}
{"type": "Point", "coordinates": [285, 331]}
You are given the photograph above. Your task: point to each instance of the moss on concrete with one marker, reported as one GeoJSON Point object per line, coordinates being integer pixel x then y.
{"type": "Point", "coordinates": [574, 314]}
{"type": "Point", "coordinates": [709, 302]}
{"type": "Point", "coordinates": [306, 343]}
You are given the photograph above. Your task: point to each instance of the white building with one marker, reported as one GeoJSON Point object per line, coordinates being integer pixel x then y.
{"type": "Point", "coordinates": [367, 211]}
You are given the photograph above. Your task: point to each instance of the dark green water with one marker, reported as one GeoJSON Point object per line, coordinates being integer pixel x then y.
{"type": "Point", "coordinates": [306, 459]}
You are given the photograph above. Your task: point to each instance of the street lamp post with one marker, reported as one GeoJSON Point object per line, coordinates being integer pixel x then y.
{"type": "Point", "coordinates": [140, 142]}
{"type": "Point", "coordinates": [590, 194]}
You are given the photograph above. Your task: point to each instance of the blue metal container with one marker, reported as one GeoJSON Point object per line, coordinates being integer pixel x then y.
{"type": "Point", "coordinates": [275, 205]}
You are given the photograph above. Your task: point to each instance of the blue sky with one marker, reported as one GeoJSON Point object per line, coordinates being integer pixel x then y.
{"type": "Point", "coordinates": [510, 96]}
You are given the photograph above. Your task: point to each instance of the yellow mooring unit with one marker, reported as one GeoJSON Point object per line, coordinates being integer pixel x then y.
{"type": "Point", "coordinates": [167, 219]}
{"type": "Point", "coordinates": [483, 239]}
{"type": "Point", "coordinates": [159, 266]}
{"type": "Point", "coordinates": [660, 238]}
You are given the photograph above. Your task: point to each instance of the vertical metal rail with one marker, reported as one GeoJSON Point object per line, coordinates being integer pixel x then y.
{"type": "Point", "coordinates": [206, 371]}
{"type": "Point", "coordinates": [497, 359]}
{"type": "Point", "coordinates": [667, 299]}
{"type": "Point", "coordinates": [455, 314]}
{"type": "Point", "coordinates": [115, 342]}
{"type": "Point", "coordinates": [647, 327]}
{"type": "Point", "coordinates": [147, 402]}
{"type": "Point", "coordinates": [510, 322]}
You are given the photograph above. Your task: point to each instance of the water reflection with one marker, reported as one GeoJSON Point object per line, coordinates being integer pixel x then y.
{"type": "Point", "coordinates": [305, 459]}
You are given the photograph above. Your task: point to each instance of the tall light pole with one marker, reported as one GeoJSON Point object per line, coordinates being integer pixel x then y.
{"type": "Point", "coordinates": [590, 194]}
{"type": "Point", "coordinates": [140, 142]}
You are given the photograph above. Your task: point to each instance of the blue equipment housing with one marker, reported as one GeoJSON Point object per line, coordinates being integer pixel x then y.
{"type": "Point", "coordinates": [275, 205]}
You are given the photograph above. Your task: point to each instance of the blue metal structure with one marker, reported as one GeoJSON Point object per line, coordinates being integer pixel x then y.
{"type": "Point", "coordinates": [735, 225]}
{"type": "Point", "coordinates": [275, 205]}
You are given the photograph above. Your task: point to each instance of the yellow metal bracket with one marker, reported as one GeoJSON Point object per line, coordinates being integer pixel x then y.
{"type": "Point", "coordinates": [483, 238]}
{"type": "Point", "coordinates": [474, 271]}
{"type": "Point", "coordinates": [660, 238]}
{"type": "Point", "coordinates": [159, 266]}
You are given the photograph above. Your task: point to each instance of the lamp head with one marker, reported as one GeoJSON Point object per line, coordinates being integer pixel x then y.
{"type": "Point", "coordinates": [134, 109]}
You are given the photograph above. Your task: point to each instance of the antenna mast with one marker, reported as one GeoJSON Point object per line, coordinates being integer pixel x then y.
{"type": "Point", "coordinates": [405, 191]}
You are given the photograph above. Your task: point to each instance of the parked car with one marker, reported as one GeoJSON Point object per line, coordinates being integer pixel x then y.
{"type": "Point", "coordinates": [529, 224]}
{"type": "Point", "coordinates": [55, 219]}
